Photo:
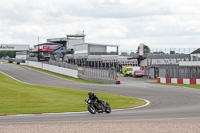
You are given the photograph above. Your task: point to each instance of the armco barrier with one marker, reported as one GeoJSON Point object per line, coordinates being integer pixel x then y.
{"type": "Point", "coordinates": [178, 81]}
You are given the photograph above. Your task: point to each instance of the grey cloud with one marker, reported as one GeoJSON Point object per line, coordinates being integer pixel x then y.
{"type": "Point", "coordinates": [151, 20]}
{"type": "Point", "coordinates": [118, 11]}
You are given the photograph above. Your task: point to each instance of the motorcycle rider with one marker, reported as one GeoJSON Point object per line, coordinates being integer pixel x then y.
{"type": "Point", "coordinates": [94, 98]}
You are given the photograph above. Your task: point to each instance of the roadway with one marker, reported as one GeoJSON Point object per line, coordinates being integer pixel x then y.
{"type": "Point", "coordinates": [166, 102]}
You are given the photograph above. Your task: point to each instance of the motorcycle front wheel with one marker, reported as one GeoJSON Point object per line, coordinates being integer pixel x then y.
{"type": "Point", "coordinates": [91, 109]}
{"type": "Point", "coordinates": [108, 109]}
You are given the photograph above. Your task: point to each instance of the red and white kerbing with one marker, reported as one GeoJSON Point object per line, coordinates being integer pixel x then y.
{"type": "Point", "coordinates": [178, 81]}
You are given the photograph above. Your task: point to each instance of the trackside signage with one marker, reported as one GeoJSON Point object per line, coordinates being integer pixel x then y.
{"type": "Point", "coordinates": [167, 59]}
{"type": "Point", "coordinates": [13, 47]}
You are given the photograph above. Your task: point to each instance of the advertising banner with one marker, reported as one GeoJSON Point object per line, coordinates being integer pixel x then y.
{"type": "Point", "coordinates": [13, 47]}
{"type": "Point", "coordinates": [167, 59]}
{"type": "Point", "coordinates": [48, 48]}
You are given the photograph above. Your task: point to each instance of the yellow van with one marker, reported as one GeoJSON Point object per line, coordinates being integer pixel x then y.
{"type": "Point", "coordinates": [127, 70]}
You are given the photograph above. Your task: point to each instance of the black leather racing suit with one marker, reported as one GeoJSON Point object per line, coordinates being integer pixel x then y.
{"type": "Point", "coordinates": [94, 98]}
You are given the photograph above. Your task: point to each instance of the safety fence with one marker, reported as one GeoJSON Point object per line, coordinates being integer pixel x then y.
{"type": "Point", "coordinates": [63, 64]}
{"type": "Point", "coordinates": [131, 52]}
{"type": "Point", "coordinates": [186, 72]}
{"type": "Point", "coordinates": [32, 58]}
{"type": "Point", "coordinates": [98, 75]}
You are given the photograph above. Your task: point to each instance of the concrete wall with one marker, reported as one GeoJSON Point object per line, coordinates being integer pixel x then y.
{"type": "Point", "coordinates": [35, 64]}
{"type": "Point", "coordinates": [56, 69]}
{"type": "Point", "coordinates": [61, 70]}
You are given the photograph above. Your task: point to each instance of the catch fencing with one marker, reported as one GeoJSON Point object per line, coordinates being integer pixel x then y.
{"type": "Point", "coordinates": [98, 75]}
{"type": "Point", "coordinates": [185, 72]}
{"type": "Point", "coordinates": [63, 64]}
{"type": "Point", "coordinates": [132, 52]}
{"type": "Point", "coordinates": [32, 58]}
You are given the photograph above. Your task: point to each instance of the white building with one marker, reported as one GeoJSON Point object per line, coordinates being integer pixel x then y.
{"type": "Point", "coordinates": [21, 55]}
{"type": "Point", "coordinates": [195, 55]}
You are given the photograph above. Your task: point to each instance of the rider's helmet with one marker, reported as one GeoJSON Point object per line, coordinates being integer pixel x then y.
{"type": "Point", "coordinates": [90, 93]}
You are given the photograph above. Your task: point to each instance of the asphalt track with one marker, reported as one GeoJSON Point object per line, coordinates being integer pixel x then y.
{"type": "Point", "coordinates": [166, 102]}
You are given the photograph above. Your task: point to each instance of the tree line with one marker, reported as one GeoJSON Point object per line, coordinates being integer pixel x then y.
{"type": "Point", "coordinates": [146, 50]}
{"type": "Point", "coordinates": [10, 54]}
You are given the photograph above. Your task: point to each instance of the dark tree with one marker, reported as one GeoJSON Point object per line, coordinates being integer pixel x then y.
{"type": "Point", "coordinates": [124, 54]}
{"type": "Point", "coordinates": [160, 52]}
{"type": "Point", "coordinates": [11, 54]}
{"type": "Point", "coordinates": [146, 49]}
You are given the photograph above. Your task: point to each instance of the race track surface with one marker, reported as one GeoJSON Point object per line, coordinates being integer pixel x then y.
{"type": "Point", "coordinates": [166, 102]}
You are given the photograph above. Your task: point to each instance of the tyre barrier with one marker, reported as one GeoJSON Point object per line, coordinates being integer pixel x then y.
{"type": "Point", "coordinates": [178, 81]}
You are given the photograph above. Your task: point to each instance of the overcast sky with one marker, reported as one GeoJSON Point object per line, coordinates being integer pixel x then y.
{"type": "Point", "coordinates": [156, 23]}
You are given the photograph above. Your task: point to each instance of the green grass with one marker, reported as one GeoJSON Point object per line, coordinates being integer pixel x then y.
{"type": "Point", "coordinates": [63, 76]}
{"type": "Point", "coordinates": [20, 98]}
{"type": "Point", "coordinates": [5, 62]}
{"type": "Point", "coordinates": [182, 85]}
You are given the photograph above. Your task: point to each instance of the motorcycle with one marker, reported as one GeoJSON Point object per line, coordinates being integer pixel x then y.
{"type": "Point", "coordinates": [94, 107]}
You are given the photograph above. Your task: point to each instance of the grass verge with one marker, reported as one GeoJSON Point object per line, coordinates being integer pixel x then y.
{"type": "Point", "coordinates": [63, 76]}
{"type": "Point", "coordinates": [20, 98]}
{"type": "Point", "coordinates": [182, 85]}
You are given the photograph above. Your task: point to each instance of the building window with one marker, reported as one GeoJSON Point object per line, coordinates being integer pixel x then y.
{"type": "Point", "coordinates": [194, 58]}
